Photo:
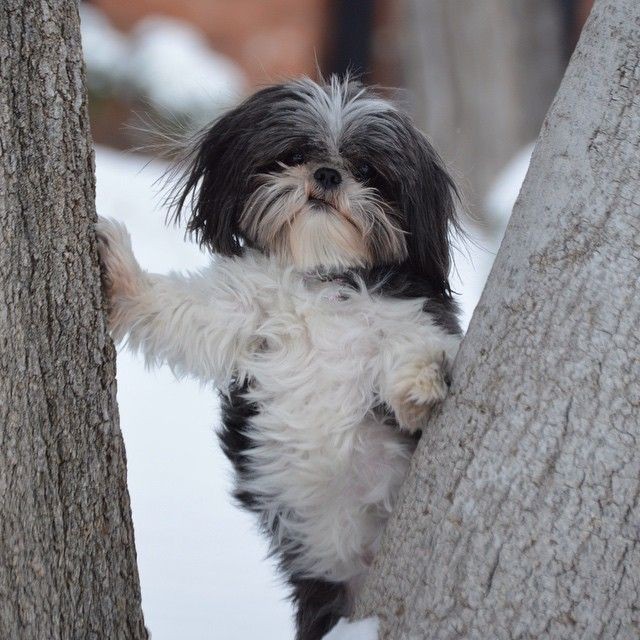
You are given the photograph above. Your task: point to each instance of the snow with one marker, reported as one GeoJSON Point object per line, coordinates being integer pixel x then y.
{"type": "Point", "coordinates": [105, 49]}
{"type": "Point", "coordinates": [176, 69]}
{"type": "Point", "coordinates": [472, 261]}
{"type": "Point", "coordinates": [473, 257]}
{"type": "Point", "coordinates": [366, 629]}
{"type": "Point", "coordinates": [506, 187]}
{"type": "Point", "coordinates": [166, 61]}
{"type": "Point", "coordinates": [202, 563]}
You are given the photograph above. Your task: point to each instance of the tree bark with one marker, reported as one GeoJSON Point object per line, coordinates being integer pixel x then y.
{"type": "Point", "coordinates": [67, 555]}
{"type": "Point", "coordinates": [484, 74]}
{"type": "Point", "coordinates": [521, 517]}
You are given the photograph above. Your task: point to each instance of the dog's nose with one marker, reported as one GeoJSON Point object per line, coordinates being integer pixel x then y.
{"type": "Point", "coordinates": [329, 178]}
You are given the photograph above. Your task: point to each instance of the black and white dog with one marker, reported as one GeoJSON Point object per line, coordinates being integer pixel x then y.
{"type": "Point", "coordinates": [325, 319]}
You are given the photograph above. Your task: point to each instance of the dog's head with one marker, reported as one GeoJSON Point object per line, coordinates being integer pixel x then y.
{"type": "Point", "coordinates": [323, 177]}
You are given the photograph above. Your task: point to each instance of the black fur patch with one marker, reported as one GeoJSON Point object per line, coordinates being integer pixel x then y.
{"type": "Point", "coordinates": [319, 605]}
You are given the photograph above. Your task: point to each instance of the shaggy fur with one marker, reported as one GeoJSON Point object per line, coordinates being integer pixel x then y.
{"type": "Point", "coordinates": [326, 319]}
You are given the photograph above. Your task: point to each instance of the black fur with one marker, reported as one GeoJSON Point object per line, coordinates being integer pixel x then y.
{"type": "Point", "coordinates": [224, 160]}
{"type": "Point", "coordinates": [410, 174]}
{"type": "Point", "coordinates": [235, 437]}
{"type": "Point", "coordinates": [319, 606]}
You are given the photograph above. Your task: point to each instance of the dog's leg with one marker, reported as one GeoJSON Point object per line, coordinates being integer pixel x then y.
{"type": "Point", "coordinates": [194, 323]}
{"type": "Point", "coordinates": [415, 373]}
{"type": "Point", "coordinates": [319, 605]}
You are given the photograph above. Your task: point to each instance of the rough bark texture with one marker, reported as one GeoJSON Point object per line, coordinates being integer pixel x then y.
{"type": "Point", "coordinates": [521, 515]}
{"type": "Point", "coordinates": [67, 555]}
{"type": "Point", "coordinates": [484, 74]}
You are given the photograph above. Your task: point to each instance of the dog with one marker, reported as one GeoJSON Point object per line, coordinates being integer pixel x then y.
{"type": "Point", "coordinates": [326, 319]}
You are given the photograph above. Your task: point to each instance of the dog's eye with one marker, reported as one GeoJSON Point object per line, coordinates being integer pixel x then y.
{"type": "Point", "coordinates": [364, 171]}
{"type": "Point", "coordinates": [294, 158]}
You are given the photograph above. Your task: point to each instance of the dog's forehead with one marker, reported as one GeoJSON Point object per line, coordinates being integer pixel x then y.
{"type": "Point", "coordinates": [337, 110]}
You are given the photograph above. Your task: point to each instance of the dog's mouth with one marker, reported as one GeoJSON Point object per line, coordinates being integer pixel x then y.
{"type": "Point", "coordinates": [319, 202]}
{"type": "Point", "coordinates": [325, 206]}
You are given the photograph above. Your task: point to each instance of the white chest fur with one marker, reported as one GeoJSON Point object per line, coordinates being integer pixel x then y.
{"type": "Point", "coordinates": [325, 467]}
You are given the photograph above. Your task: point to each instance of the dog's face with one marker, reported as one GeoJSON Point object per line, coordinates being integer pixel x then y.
{"type": "Point", "coordinates": [323, 177]}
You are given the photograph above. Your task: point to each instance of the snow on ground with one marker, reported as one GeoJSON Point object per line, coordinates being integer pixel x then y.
{"type": "Point", "coordinates": [201, 560]}
{"type": "Point", "coordinates": [366, 629]}
{"type": "Point", "coordinates": [472, 261]}
{"type": "Point", "coordinates": [506, 187]}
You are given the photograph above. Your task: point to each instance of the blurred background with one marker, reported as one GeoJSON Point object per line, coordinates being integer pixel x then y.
{"type": "Point", "coordinates": [478, 77]}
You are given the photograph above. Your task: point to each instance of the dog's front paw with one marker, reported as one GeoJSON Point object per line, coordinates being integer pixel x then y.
{"type": "Point", "coordinates": [122, 277]}
{"type": "Point", "coordinates": [419, 387]}
{"type": "Point", "coordinates": [121, 273]}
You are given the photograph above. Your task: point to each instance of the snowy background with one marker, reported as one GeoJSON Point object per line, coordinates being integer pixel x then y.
{"type": "Point", "coordinates": [203, 565]}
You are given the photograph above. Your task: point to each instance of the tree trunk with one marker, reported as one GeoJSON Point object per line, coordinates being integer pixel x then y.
{"type": "Point", "coordinates": [67, 555]}
{"type": "Point", "coordinates": [484, 74]}
{"type": "Point", "coordinates": [521, 515]}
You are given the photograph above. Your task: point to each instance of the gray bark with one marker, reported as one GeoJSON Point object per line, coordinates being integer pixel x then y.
{"type": "Point", "coordinates": [67, 555]}
{"type": "Point", "coordinates": [521, 515]}
{"type": "Point", "coordinates": [484, 74]}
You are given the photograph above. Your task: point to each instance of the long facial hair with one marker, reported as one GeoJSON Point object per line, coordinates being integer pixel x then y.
{"type": "Point", "coordinates": [298, 222]}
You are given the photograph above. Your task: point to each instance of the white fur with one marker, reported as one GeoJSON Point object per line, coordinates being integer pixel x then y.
{"type": "Point", "coordinates": [337, 110]}
{"type": "Point", "coordinates": [319, 357]}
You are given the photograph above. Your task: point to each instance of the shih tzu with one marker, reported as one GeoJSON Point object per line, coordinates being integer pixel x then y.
{"type": "Point", "coordinates": [325, 319]}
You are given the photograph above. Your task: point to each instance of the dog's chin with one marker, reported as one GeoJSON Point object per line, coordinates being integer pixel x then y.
{"type": "Point", "coordinates": [320, 238]}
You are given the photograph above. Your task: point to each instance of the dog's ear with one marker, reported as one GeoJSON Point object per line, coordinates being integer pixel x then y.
{"type": "Point", "coordinates": [415, 181]}
{"type": "Point", "coordinates": [428, 197]}
{"type": "Point", "coordinates": [221, 164]}
{"type": "Point", "coordinates": [212, 185]}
